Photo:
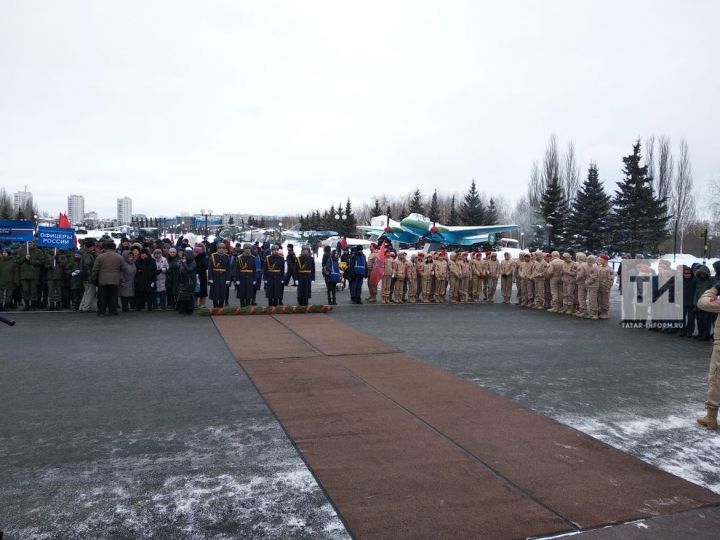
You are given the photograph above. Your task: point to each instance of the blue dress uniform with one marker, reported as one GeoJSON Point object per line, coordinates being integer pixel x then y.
{"type": "Point", "coordinates": [219, 273]}
{"type": "Point", "coordinates": [273, 273]}
{"type": "Point", "coordinates": [245, 277]}
{"type": "Point", "coordinates": [305, 275]}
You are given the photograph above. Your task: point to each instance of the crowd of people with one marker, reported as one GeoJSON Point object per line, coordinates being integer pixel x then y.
{"type": "Point", "coordinates": [578, 285]}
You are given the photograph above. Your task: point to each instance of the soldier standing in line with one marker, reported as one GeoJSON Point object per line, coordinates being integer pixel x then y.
{"type": "Point", "coordinates": [372, 287]}
{"type": "Point", "coordinates": [606, 277]}
{"type": "Point", "coordinates": [55, 264]}
{"type": "Point", "coordinates": [708, 302]}
{"type": "Point", "coordinates": [387, 280]}
{"type": "Point", "coordinates": [273, 267]}
{"type": "Point", "coordinates": [538, 276]}
{"type": "Point", "coordinates": [440, 271]}
{"type": "Point", "coordinates": [580, 277]}
{"type": "Point", "coordinates": [528, 289]}
{"type": "Point", "coordinates": [399, 270]}
{"type": "Point", "coordinates": [555, 270]}
{"type": "Point", "coordinates": [568, 284]}
{"type": "Point", "coordinates": [592, 284]}
{"type": "Point", "coordinates": [290, 262]}
{"type": "Point", "coordinates": [304, 275]}
{"type": "Point", "coordinates": [425, 277]}
{"type": "Point", "coordinates": [412, 279]}
{"type": "Point", "coordinates": [482, 276]}
{"type": "Point", "coordinates": [506, 277]}
{"type": "Point", "coordinates": [465, 272]}
{"type": "Point", "coordinates": [245, 276]}
{"type": "Point", "coordinates": [475, 268]}
{"type": "Point", "coordinates": [548, 295]}
{"type": "Point", "coordinates": [219, 275]}
{"type": "Point", "coordinates": [454, 277]}
{"type": "Point", "coordinates": [30, 259]}
{"type": "Point", "coordinates": [491, 279]}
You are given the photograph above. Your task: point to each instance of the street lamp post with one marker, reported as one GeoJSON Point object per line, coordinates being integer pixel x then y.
{"type": "Point", "coordinates": [522, 240]}
{"type": "Point", "coordinates": [337, 221]}
{"type": "Point", "coordinates": [206, 215]}
{"type": "Point", "coordinates": [280, 225]}
{"type": "Point", "coordinates": [675, 219]}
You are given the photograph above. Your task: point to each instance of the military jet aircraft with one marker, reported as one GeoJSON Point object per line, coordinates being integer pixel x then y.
{"type": "Point", "coordinates": [416, 227]}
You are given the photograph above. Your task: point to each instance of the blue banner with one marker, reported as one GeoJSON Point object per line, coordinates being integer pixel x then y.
{"type": "Point", "coordinates": [55, 237]}
{"type": "Point", "coordinates": [15, 230]}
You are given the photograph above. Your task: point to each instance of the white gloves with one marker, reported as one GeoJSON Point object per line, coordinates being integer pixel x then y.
{"type": "Point", "coordinates": [210, 281]}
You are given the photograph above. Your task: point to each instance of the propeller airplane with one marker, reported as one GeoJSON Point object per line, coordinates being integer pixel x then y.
{"type": "Point", "coordinates": [416, 227]}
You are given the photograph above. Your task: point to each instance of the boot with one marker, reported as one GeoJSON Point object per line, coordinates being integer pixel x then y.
{"type": "Point", "coordinates": [710, 419]}
{"type": "Point", "coordinates": [334, 299]}
{"type": "Point", "coordinates": [329, 298]}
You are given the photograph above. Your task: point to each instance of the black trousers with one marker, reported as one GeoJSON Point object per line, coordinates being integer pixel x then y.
{"type": "Point", "coordinates": [107, 297]}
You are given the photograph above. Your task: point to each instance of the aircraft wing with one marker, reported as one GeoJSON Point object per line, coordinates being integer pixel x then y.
{"type": "Point", "coordinates": [467, 236]}
{"type": "Point", "coordinates": [370, 229]}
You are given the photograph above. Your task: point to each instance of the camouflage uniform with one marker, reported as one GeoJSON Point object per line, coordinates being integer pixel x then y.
{"type": "Point", "coordinates": [30, 265]}
{"type": "Point", "coordinates": [507, 269]}
{"type": "Point", "coordinates": [440, 271]}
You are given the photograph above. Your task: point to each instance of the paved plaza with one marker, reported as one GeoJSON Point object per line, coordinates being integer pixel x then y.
{"type": "Point", "coordinates": [149, 425]}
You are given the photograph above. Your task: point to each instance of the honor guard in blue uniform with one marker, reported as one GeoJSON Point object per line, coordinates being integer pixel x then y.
{"type": "Point", "coordinates": [304, 275]}
{"type": "Point", "coordinates": [219, 275]}
{"type": "Point", "coordinates": [273, 273]}
{"type": "Point", "coordinates": [245, 276]}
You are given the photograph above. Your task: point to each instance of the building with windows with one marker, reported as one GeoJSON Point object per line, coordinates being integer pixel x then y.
{"type": "Point", "coordinates": [124, 211]}
{"type": "Point", "coordinates": [21, 198]}
{"type": "Point", "coordinates": [76, 209]}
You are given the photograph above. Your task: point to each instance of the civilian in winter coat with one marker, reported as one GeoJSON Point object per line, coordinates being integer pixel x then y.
{"type": "Point", "coordinates": [703, 283]}
{"type": "Point", "coordinates": [331, 271]}
{"type": "Point", "coordinates": [145, 275]}
{"type": "Point", "coordinates": [171, 278]}
{"type": "Point", "coordinates": [186, 277]}
{"type": "Point", "coordinates": [688, 328]}
{"type": "Point", "coordinates": [358, 272]}
{"type": "Point", "coordinates": [107, 275]}
{"type": "Point", "coordinates": [201, 263]}
{"type": "Point", "coordinates": [126, 292]}
{"type": "Point", "coordinates": [159, 297]}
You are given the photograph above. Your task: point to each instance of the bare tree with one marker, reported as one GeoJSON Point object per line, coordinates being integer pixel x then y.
{"type": "Point", "coordinates": [551, 161]}
{"type": "Point", "coordinates": [570, 173]}
{"type": "Point", "coordinates": [682, 201]}
{"type": "Point", "coordinates": [664, 171]}
{"type": "Point", "coordinates": [536, 187]}
{"type": "Point", "coordinates": [650, 156]}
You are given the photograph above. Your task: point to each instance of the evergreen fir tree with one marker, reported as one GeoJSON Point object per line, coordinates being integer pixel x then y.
{"type": "Point", "coordinates": [416, 204]}
{"type": "Point", "coordinates": [491, 216]}
{"type": "Point", "coordinates": [350, 221]}
{"type": "Point", "coordinates": [639, 219]}
{"type": "Point", "coordinates": [587, 227]}
{"type": "Point", "coordinates": [472, 211]}
{"type": "Point", "coordinates": [454, 218]}
{"type": "Point", "coordinates": [231, 220]}
{"type": "Point", "coordinates": [434, 212]}
{"type": "Point", "coordinates": [554, 211]}
{"type": "Point", "coordinates": [376, 209]}
{"type": "Point", "coordinates": [403, 212]}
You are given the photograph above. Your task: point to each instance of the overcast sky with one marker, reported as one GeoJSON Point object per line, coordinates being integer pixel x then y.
{"type": "Point", "coordinates": [283, 107]}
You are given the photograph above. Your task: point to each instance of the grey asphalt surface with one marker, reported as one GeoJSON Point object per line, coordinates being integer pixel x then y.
{"type": "Point", "coordinates": [143, 425]}
{"type": "Point", "coordinates": [637, 390]}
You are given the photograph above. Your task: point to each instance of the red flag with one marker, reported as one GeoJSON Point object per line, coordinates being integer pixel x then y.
{"type": "Point", "coordinates": [378, 267]}
{"type": "Point", "coordinates": [64, 223]}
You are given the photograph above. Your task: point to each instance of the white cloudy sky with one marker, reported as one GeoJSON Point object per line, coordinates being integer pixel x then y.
{"type": "Point", "coordinates": [282, 107]}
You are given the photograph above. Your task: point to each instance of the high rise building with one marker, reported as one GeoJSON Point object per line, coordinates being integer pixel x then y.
{"type": "Point", "coordinates": [76, 209]}
{"type": "Point", "coordinates": [21, 198]}
{"type": "Point", "coordinates": [124, 211]}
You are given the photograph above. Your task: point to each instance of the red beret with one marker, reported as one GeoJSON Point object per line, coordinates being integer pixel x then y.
{"type": "Point", "coordinates": [603, 256]}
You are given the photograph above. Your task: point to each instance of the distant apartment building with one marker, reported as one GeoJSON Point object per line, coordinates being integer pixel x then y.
{"type": "Point", "coordinates": [76, 208]}
{"type": "Point", "coordinates": [20, 199]}
{"type": "Point", "coordinates": [124, 211]}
